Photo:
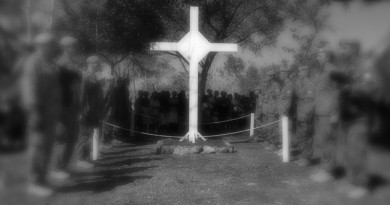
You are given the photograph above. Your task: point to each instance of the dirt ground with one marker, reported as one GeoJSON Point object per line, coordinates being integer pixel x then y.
{"type": "Point", "coordinates": [130, 174]}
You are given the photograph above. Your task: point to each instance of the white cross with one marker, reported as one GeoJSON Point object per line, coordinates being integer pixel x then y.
{"type": "Point", "coordinates": [193, 46]}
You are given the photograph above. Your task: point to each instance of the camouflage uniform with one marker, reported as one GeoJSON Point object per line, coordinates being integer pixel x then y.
{"type": "Point", "coordinates": [285, 94]}
{"type": "Point", "coordinates": [325, 108]}
{"type": "Point", "coordinates": [304, 90]}
{"type": "Point", "coordinates": [270, 110]}
{"type": "Point", "coordinates": [259, 112]}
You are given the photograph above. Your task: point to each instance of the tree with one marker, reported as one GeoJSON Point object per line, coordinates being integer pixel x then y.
{"type": "Point", "coordinates": [251, 79]}
{"type": "Point", "coordinates": [180, 81]}
{"type": "Point", "coordinates": [251, 23]}
{"type": "Point", "coordinates": [114, 29]}
{"type": "Point", "coordinates": [234, 65]}
{"type": "Point", "coordinates": [307, 14]}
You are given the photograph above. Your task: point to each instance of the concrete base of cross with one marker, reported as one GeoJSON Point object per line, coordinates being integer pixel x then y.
{"type": "Point", "coordinates": [192, 136]}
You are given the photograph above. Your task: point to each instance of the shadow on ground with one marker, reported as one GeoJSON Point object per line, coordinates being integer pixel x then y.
{"type": "Point", "coordinates": [111, 171]}
{"type": "Point", "coordinates": [103, 184]}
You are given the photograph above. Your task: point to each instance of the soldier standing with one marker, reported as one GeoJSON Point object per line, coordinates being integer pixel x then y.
{"type": "Point", "coordinates": [269, 112]}
{"type": "Point", "coordinates": [92, 110]}
{"type": "Point", "coordinates": [304, 90]}
{"type": "Point", "coordinates": [285, 96]}
{"type": "Point", "coordinates": [325, 113]}
{"type": "Point", "coordinates": [42, 98]}
{"type": "Point", "coordinates": [71, 79]}
{"type": "Point", "coordinates": [355, 104]}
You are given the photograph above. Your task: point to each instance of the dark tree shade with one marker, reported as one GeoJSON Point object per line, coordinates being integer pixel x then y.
{"type": "Point", "coordinates": [112, 28]}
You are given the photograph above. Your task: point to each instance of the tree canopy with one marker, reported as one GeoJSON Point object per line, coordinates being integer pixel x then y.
{"type": "Point", "coordinates": [114, 29]}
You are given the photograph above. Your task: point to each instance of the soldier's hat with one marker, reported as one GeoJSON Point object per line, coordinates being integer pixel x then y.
{"type": "Point", "coordinates": [355, 44]}
{"type": "Point", "coordinates": [270, 72]}
{"type": "Point", "coordinates": [349, 42]}
{"type": "Point", "coordinates": [68, 40]}
{"type": "Point", "coordinates": [93, 59]}
{"type": "Point", "coordinates": [43, 38]}
{"type": "Point", "coordinates": [285, 69]}
{"type": "Point", "coordinates": [303, 67]}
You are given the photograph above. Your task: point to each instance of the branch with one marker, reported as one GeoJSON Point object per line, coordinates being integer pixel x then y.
{"type": "Point", "coordinates": [184, 66]}
{"type": "Point", "coordinates": [176, 54]}
{"type": "Point", "coordinates": [235, 10]}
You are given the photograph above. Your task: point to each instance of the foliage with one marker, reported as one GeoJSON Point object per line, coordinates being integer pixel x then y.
{"type": "Point", "coordinates": [251, 79]}
{"type": "Point", "coordinates": [308, 15]}
{"type": "Point", "coordinates": [234, 65]}
{"type": "Point", "coordinates": [115, 29]}
{"type": "Point", "coordinates": [179, 82]}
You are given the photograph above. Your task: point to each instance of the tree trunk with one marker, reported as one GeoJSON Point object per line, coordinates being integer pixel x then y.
{"type": "Point", "coordinates": [203, 80]}
{"type": "Point", "coordinates": [205, 71]}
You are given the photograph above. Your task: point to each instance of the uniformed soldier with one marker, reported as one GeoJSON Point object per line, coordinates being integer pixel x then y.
{"type": "Point", "coordinates": [355, 104]}
{"type": "Point", "coordinates": [304, 90]}
{"type": "Point", "coordinates": [71, 80]}
{"type": "Point", "coordinates": [92, 110]}
{"type": "Point", "coordinates": [285, 93]}
{"type": "Point", "coordinates": [269, 111]}
{"type": "Point", "coordinates": [260, 108]}
{"type": "Point", "coordinates": [42, 98]}
{"type": "Point", "coordinates": [326, 96]}
{"type": "Point", "coordinates": [273, 112]}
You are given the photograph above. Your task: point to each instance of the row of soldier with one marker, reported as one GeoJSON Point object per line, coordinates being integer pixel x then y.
{"type": "Point", "coordinates": [58, 96]}
{"type": "Point", "coordinates": [331, 111]}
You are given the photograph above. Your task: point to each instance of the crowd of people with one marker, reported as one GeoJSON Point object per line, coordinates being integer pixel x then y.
{"type": "Point", "coordinates": [167, 112]}
{"type": "Point", "coordinates": [335, 111]}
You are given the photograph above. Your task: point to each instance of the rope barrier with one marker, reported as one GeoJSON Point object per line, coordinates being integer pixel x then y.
{"type": "Point", "coordinates": [145, 133]}
{"type": "Point", "coordinates": [225, 120]}
{"type": "Point", "coordinates": [209, 136]}
{"type": "Point", "coordinates": [218, 135]}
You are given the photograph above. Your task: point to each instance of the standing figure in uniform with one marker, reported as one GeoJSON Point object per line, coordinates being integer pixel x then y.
{"type": "Point", "coordinates": [41, 91]}
{"type": "Point", "coordinates": [269, 112]}
{"type": "Point", "coordinates": [92, 111]}
{"type": "Point", "coordinates": [326, 104]}
{"type": "Point", "coordinates": [355, 105]}
{"type": "Point", "coordinates": [138, 111]}
{"type": "Point", "coordinates": [71, 80]}
{"type": "Point", "coordinates": [304, 90]}
{"type": "Point", "coordinates": [285, 97]}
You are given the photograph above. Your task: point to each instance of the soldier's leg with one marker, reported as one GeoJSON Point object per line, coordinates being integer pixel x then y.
{"type": "Point", "coordinates": [324, 143]}
{"type": "Point", "coordinates": [72, 132]}
{"type": "Point", "coordinates": [357, 154]}
{"type": "Point", "coordinates": [300, 137]}
{"type": "Point", "coordinates": [324, 149]}
{"type": "Point", "coordinates": [82, 151]}
{"type": "Point", "coordinates": [42, 142]}
{"type": "Point", "coordinates": [304, 139]}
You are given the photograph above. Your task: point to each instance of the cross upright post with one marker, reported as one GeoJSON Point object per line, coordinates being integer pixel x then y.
{"type": "Point", "coordinates": [193, 46]}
